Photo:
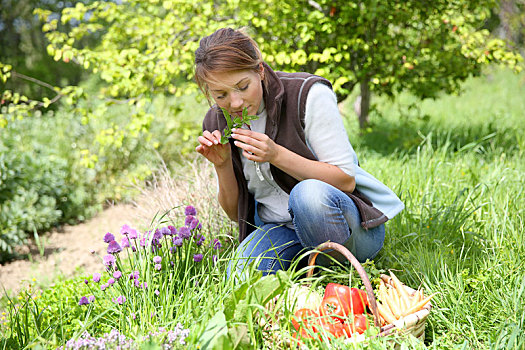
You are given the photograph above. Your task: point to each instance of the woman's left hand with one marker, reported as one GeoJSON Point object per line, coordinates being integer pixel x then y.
{"type": "Point", "coordinates": [256, 146]}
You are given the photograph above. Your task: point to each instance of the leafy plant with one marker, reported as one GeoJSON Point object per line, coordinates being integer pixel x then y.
{"type": "Point", "coordinates": [236, 122]}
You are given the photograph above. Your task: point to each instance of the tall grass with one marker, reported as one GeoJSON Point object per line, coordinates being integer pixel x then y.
{"type": "Point", "coordinates": [457, 163]}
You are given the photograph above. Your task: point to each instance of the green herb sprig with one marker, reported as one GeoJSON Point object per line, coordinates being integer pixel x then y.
{"type": "Point", "coordinates": [236, 122]}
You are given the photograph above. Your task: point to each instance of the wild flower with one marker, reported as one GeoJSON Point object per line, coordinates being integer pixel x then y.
{"type": "Point", "coordinates": [128, 231]}
{"type": "Point", "coordinates": [157, 292]}
{"type": "Point", "coordinates": [178, 241]}
{"type": "Point", "coordinates": [91, 298]}
{"type": "Point", "coordinates": [119, 300]}
{"type": "Point", "coordinates": [158, 267]}
{"type": "Point", "coordinates": [165, 231]}
{"type": "Point", "coordinates": [195, 224]}
{"type": "Point", "coordinates": [83, 301]}
{"type": "Point", "coordinates": [111, 281]}
{"type": "Point", "coordinates": [217, 244]}
{"type": "Point", "coordinates": [125, 242]}
{"type": "Point", "coordinates": [108, 237]}
{"type": "Point", "coordinates": [157, 259]}
{"type": "Point", "coordinates": [188, 220]}
{"type": "Point", "coordinates": [86, 281]}
{"type": "Point", "coordinates": [197, 257]}
{"type": "Point", "coordinates": [117, 274]}
{"type": "Point", "coordinates": [114, 247]}
{"type": "Point", "coordinates": [190, 210]}
{"type": "Point", "coordinates": [184, 232]}
{"type": "Point", "coordinates": [173, 230]}
{"type": "Point", "coordinates": [109, 260]}
{"type": "Point", "coordinates": [103, 286]}
{"type": "Point", "coordinates": [199, 240]}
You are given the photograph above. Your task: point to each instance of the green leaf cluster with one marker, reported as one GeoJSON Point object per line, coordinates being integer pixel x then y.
{"type": "Point", "coordinates": [236, 122]}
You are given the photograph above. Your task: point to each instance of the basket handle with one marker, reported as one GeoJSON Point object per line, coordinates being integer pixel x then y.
{"type": "Point", "coordinates": [359, 268]}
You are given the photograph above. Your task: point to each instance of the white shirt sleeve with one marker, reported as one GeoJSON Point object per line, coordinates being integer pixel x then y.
{"type": "Point", "coordinates": [324, 130]}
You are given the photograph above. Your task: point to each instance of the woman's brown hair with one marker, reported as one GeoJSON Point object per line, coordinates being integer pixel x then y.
{"type": "Point", "coordinates": [225, 50]}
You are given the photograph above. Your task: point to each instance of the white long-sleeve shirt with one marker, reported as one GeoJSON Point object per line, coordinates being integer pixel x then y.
{"type": "Point", "coordinates": [326, 137]}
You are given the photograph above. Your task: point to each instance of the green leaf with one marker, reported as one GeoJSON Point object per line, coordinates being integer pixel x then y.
{"type": "Point", "coordinates": [216, 329]}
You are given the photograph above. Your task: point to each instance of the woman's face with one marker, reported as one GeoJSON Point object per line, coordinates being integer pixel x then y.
{"type": "Point", "coordinates": [236, 90]}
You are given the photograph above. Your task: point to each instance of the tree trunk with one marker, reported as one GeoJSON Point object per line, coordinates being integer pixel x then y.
{"type": "Point", "coordinates": [365, 103]}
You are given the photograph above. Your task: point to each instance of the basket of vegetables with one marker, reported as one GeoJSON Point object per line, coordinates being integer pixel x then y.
{"type": "Point", "coordinates": [342, 311]}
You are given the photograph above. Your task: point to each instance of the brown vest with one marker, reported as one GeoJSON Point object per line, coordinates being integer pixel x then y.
{"type": "Point", "coordinates": [285, 101]}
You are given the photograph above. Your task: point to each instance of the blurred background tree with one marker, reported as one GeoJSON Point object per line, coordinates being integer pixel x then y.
{"type": "Point", "coordinates": [425, 47]}
{"type": "Point", "coordinates": [24, 46]}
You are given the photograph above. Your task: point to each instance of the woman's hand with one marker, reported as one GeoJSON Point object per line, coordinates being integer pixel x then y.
{"type": "Point", "coordinates": [210, 146]}
{"type": "Point", "coordinates": [255, 145]}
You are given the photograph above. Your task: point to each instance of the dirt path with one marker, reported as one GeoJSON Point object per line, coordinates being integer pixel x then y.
{"type": "Point", "coordinates": [67, 250]}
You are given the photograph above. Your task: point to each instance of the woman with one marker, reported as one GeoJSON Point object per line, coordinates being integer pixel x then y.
{"type": "Point", "coordinates": [291, 179]}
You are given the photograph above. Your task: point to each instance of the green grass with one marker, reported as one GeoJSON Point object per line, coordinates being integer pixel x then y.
{"type": "Point", "coordinates": [456, 162]}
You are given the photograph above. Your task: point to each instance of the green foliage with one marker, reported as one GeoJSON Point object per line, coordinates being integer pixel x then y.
{"type": "Point", "coordinates": [37, 188]}
{"type": "Point", "coordinates": [383, 47]}
{"type": "Point", "coordinates": [236, 122]}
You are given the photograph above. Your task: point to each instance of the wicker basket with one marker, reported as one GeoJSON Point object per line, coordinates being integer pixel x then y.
{"type": "Point", "coordinates": [413, 324]}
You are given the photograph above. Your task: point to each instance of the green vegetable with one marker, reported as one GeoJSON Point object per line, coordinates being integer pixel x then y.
{"type": "Point", "coordinates": [236, 122]}
{"type": "Point", "coordinates": [301, 297]}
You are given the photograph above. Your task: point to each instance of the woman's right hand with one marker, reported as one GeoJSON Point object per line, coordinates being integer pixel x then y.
{"type": "Point", "coordinates": [210, 146]}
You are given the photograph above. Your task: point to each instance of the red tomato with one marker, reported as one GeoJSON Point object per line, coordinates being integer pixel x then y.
{"type": "Point", "coordinates": [359, 325]}
{"type": "Point", "coordinates": [333, 327]}
{"type": "Point", "coordinates": [305, 318]}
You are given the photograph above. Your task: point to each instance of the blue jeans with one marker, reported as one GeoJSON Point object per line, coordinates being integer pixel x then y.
{"type": "Point", "coordinates": [320, 213]}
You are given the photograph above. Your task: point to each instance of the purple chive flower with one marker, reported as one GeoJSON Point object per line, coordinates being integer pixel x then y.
{"type": "Point", "coordinates": [158, 267]}
{"type": "Point", "coordinates": [91, 298]}
{"type": "Point", "coordinates": [103, 286]}
{"type": "Point", "coordinates": [173, 230]}
{"type": "Point", "coordinates": [195, 224]}
{"type": "Point", "coordinates": [125, 242]}
{"type": "Point", "coordinates": [190, 210]}
{"type": "Point", "coordinates": [184, 232]}
{"type": "Point", "coordinates": [133, 316]}
{"type": "Point", "coordinates": [83, 301]}
{"type": "Point", "coordinates": [200, 240]}
{"type": "Point", "coordinates": [134, 275]}
{"type": "Point", "coordinates": [119, 300]}
{"type": "Point", "coordinates": [143, 242]}
{"type": "Point", "coordinates": [137, 283]}
{"type": "Point", "coordinates": [108, 237]}
{"type": "Point", "coordinates": [114, 247]}
{"type": "Point", "coordinates": [126, 230]}
{"type": "Point", "coordinates": [157, 292]}
{"type": "Point", "coordinates": [117, 274]}
{"type": "Point", "coordinates": [133, 248]}
{"type": "Point", "coordinates": [217, 244]}
{"type": "Point", "coordinates": [173, 249]}
{"type": "Point", "coordinates": [165, 231]}
{"type": "Point", "coordinates": [111, 281]}
{"type": "Point", "coordinates": [188, 220]}
{"type": "Point", "coordinates": [86, 281]}
{"type": "Point", "coordinates": [144, 285]}
{"type": "Point", "coordinates": [157, 235]}
{"type": "Point", "coordinates": [96, 277]}
{"type": "Point", "coordinates": [109, 260]}
{"type": "Point", "coordinates": [157, 259]}
{"type": "Point", "coordinates": [197, 257]}
{"type": "Point", "coordinates": [177, 241]}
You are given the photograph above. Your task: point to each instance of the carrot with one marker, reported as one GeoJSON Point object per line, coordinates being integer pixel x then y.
{"type": "Point", "coordinates": [385, 313]}
{"type": "Point", "coordinates": [405, 298]}
{"type": "Point", "coordinates": [390, 300]}
{"type": "Point", "coordinates": [418, 306]}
